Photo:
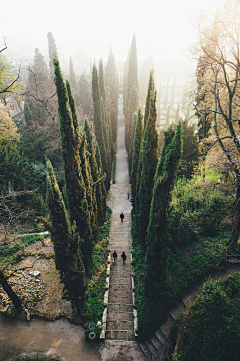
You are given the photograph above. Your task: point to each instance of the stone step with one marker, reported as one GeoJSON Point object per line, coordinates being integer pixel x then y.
{"type": "Point", "coordinates": [125, 282]}
{"type": "Point", "coordinates": [119, 325]}
{"type": "Point", "coordinates": [118, 291]}
{"type": "Point", "coordinates": [120, 335]}
{"type": "Point", "coordinates": [120, 307]}
{"type": "Point", "coordinates": [120, 315]}
{"type": "Point", "coordinates": [118, 299]}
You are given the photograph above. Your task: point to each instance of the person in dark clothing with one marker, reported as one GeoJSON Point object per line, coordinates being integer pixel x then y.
{"type": "Point", "coordinates": [128, 195]}
{"type": "Point", "coordinates": [122, 216]}
{"type": "Point", "coordinates": [124, 257]}
{"type": "Point", "coordinates": [114, 256]}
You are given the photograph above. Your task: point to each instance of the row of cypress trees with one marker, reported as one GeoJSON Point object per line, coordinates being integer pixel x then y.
{"type": "Point", "coordinates": [75, 234]}
{"type": "Point", "coordinates": [105, 106]}
{"type": "Point", "coordinates": [152, 178]}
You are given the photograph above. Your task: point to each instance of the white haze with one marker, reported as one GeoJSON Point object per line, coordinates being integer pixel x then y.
{"type": "Point", "coordinates": [163, 28]}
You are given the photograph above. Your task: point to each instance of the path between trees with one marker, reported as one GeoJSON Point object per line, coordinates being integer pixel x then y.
{"type": "Point", "coordinates": [120, 344]}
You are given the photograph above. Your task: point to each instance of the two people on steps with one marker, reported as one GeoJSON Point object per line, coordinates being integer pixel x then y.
{"type": "Point", "coordinates": [123, 255]}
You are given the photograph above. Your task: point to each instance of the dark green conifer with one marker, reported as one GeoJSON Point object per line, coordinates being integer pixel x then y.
{"type": "Point", "coordinates": [101, 176]}
{"type": "Point", "coordinates": [148, 98]}
{"type": "Point", "coordinates": [96, 175]}
{"type": "Point", "coordinates": [67, 244]}
{"type": "Point", "coordinates": [85, 96]}
{"type": "Point", "coordinates": [91, 195]}
{"type": "Point", "coordinates": [133, 104]}
{"type": "Point", "coordinates": [98, 125]}
{"type": "Point", "coordinates": [111, 82]}
{"type": "Point", "coordinates": [135, 157]}
{"type": "Point", "coordinates": [107, 138]}
{"type": "Point", "coordinates": [157, 239]}
{"type": "Point", "coordinates": [149, 164]}
{"type": "Point", "coordinates": [132, 69]}
{"type": "Point", "coordinates": [73, 82]}
{"type": "Point", "coordinates": [75, 187]}
{"type": "Point", "coordinates": [52, 50]}
{"type": "Point", "coordinates": [134, 122]}
{"type": "Point", "coordinates": [101, 81]}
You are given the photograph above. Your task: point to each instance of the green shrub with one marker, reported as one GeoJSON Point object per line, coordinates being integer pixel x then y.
{"type": "Point", "coordinates": [93, 305]}
{"type": "Point", "coordinates": [199, 208]}
{"type": "Point", "coordinates": [210, 329]}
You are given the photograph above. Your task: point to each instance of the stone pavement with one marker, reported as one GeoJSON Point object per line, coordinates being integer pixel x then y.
{"type": "Point", "coordinates": [120, 344]}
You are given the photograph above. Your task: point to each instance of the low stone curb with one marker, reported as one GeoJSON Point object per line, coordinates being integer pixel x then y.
{"type": "Point", "coordinates": [105, 300]}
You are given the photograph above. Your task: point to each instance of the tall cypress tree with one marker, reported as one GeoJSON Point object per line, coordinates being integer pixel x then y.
{"type": "Point", "coordinates": [66, 241]}
{"type": "Point", "coordinates": [101, 176]}
{"type": "Point", "coordinates": [107, 138]}
{"type": "Point", "coordinates": [133, 104]}
{"type": "Point", "coordinates": [134, 122]}
{"type": "Point", "coordinates": [98, 125]}
{"type": "Point", "coordinates": [75, 187]}
{"type": "Point", "coordinates": [101, 80]}
{"type": "Point", "coordinates": [132, 69]}
{"type": "Point", "coordinates": [148, 98]}
{"type": "Point", "coordinates": [96, 175]}
{"type": "Point", "coordinates": [91, 195]}
{"type": "Point", "coordinates": [111, 82]}
{"type": "Point", "coordinates": [73, 82]}
{"type": "Point", "coordinates": [157, 239]}
{"type": "Point", "coordinates": [149, 164]}
{"type": "Point", "coordinates": [52, 50]}
{"type": "Point", "coordinates": [135, 157]}
{"type": "Point", "coordinates": [84, 94]}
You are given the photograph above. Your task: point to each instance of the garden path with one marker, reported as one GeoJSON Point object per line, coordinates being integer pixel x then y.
{"type": "Point", "coordinates": [120, 341]}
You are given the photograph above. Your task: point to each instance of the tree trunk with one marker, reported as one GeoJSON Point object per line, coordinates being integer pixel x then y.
{"type": "Point", "coordinates": [15, 299]}
{"type": "Point", "coordinates": [236, 222]}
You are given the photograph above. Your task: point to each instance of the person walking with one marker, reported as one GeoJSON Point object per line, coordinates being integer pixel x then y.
{"type": "Point", "coordinates": [128, 195]}
{"type": "Point", "coordinates": [124, 257]}
{"type": "Point", "coordinates": [114, 256]}
{"type": "Point", "coordinates": [122, 216]}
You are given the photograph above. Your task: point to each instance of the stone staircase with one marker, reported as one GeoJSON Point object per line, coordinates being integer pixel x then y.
{"type": "Point", "coordinates": [120, 319]}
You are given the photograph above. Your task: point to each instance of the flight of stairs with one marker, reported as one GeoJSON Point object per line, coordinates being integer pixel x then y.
{"type": "Point", "coordinates": [120, 319]}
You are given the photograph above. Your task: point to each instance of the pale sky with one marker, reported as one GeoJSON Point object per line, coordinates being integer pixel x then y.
{"type": "Point", "coordinates": [159, 25]}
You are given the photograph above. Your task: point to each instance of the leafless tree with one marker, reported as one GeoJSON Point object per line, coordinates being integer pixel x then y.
{"type": "Point", "coordinates": [219, 49]}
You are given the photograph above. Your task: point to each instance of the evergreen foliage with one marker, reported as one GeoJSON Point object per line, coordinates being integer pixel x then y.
{"type": "Point", "coordinates": [191, 151]}
{"type": "Point", "coordinates": [144, 77]}
{"type": "Point", "coordinates": [67, 243]}
{"type": "Point", "coordinates": [99, 126]}
{"type": "Point", "coordinates": [73, 108]}
{"type": "Point", "coordinates": [15, 170]}
{"type": "Point", "coordinates": [85, 96]}
{"type": "Point", "coordinates": [52, 50]}
{"type": "Point", "coordinates": [101, 177]}
{"type": "Point", "coordinates": [135, 157]}
{"type": "Point", "coordinates": [148, 98]}
{"type": "Point", "coordinates": [133, 127]}
{"type": "Point", "coordinates": [101, 81]}
{"type": "Point", "coordinates": [98, 179]}
{"type": "Point", "coordinates": [149, 161]}
{"type": "Point", "coordinates": [132, 69]}
{"type": "Point", "coordinates": [111, 82]}
{"type": "Point", "coordinates": [73, 82]}
{"type": "Point", "coordinates": [75, 187]}
{"type": "Point", "coordinates": [133, 104]}
{"type": "Point", "coordinates": [90, 191]}
{"type": "Point", "coordinates": [209, 329]}
{"type": "Point", "coordinates": [157, 239]}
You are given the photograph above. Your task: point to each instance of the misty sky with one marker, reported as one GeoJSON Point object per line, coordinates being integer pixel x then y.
{"type": "Point", "coordinates": [159, 25]}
